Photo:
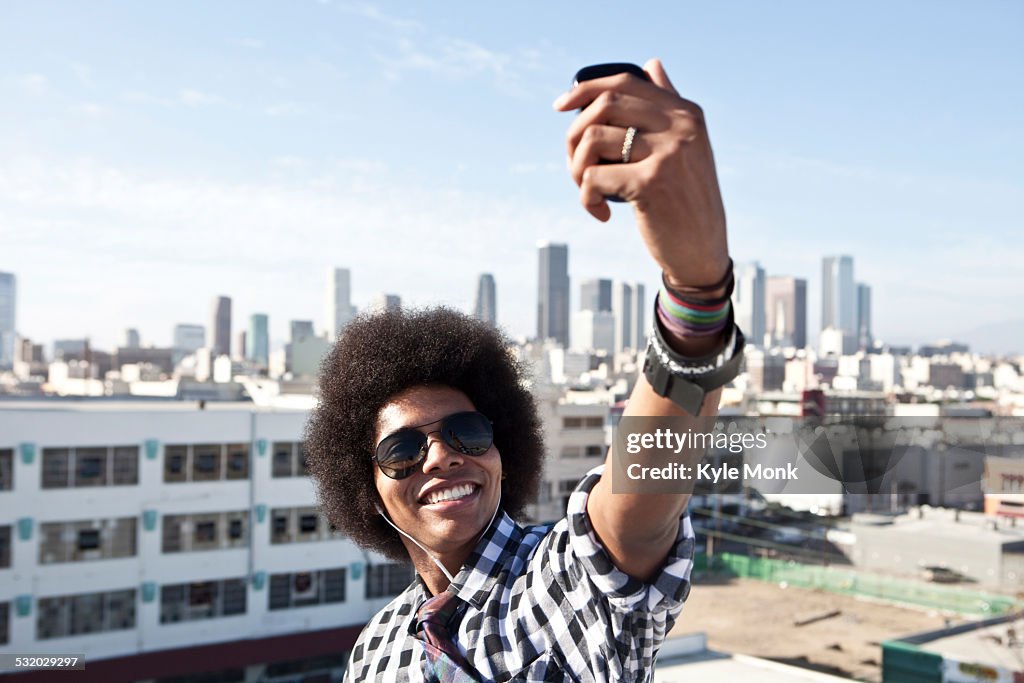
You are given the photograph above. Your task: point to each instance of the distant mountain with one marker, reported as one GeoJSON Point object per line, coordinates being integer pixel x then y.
{"type": "Point", "coordinates": [1003, 338]}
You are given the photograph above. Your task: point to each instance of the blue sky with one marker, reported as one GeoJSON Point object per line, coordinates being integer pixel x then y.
{"type": "Point", "coordinates": [153, 156]}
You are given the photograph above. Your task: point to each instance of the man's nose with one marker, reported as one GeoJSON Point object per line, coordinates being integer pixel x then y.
{"type": "Point", "coordinates": [440, 456]}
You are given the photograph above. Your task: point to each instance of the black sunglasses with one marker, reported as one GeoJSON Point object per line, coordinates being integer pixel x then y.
{"type": "Point", "coordinates": [399, 454]}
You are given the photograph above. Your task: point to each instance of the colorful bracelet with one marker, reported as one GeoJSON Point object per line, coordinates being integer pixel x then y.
{"type": "Point", "coordinates": [688, 318]}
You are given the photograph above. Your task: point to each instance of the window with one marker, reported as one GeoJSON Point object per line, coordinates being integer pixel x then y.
{"type": "Point", "coordinates": [87, 613]}
{"type": "Point", "coordinates": [70, 615]}
{"type": "Point", "coordinates": [593, 422]}
{"type": "Point", "coordinates": [55, 468]}
{"type": "Point", "coordinates": [172, 537]}
{"type": "Point", "coordinates": [303, 589]}
{"type": "Point", "coordinates": [206, 462]}
{"type": "Point", "coordinates": [567, 485]}
{"type": "Point", "coordinates": [238, 461]}
{"type": "Point", "coordinates": [206, 459]}
{"type": "Point", "coordinates": [205, 531]}
{"type": "Point", "coordinates": [570, 451]}
{"type": "Point", "coordinates": [572, 422]}
{"type": "Point", "coordinates": [290, 525]}
{"type": "Point", "coordinates": [126, 465]}
{"type": "Point", "coordinates": [282, 461]}
{"type": "Point", "coordinates": [385, 580]}
{"type": "Point", "coordinates": [91, 466]}
{"type": "Point", "coordinates": [6, 469]}
{"type": "Point", "coordinates": [88, 539]}
{"type": "Point", "coordinates": [279, 527]}
{"type": "Point", "coordinates": [544, 492]}
{"type": "Point", "coordinates": [5, 547]}
{"type": "Point", "coordinates": [289, 460]}
{"type": "Point", "coordinates": [308, 524]}
{"type": "Point", "coordinates": [594, 451]}
{"type": "Point", "coordinates": [175, 463]}
{"type": "Point", "coordinates": [234, 597]}
{"type": "Point", "coordinates": [202, 600]}
{"type": "Point", "coordinates": [4, 618]}
{"type": "Point", "coordinates": [82, 541]}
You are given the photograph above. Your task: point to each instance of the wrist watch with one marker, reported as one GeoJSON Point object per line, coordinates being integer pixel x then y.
{"type": "Point", "coordinates": [686, 381]}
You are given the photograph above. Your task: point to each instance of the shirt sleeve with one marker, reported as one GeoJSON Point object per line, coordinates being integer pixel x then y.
{"type": "Point", "coordinates": [668, 590]}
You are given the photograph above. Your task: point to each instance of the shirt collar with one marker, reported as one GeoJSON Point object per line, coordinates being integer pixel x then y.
{"type": "Point", "coordinates": [489, 561]}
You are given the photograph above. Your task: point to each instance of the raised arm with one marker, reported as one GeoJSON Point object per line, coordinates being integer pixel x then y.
{"type": "Point", "coordinates": [670, 181]}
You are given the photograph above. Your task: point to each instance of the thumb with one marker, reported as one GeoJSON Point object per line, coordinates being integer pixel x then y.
{"type": "Point", "coordinates": [658, 76]}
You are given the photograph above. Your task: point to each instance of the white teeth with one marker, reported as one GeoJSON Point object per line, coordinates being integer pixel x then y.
{"type": "Point", "coordinates": [454, 493]}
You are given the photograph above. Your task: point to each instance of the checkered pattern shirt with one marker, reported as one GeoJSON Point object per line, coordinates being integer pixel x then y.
{"type": "Point", "coordinates": [543, 603]}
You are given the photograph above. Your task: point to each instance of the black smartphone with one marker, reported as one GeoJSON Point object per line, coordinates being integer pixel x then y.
{"type": "Point", "coordinates": [593, 71]}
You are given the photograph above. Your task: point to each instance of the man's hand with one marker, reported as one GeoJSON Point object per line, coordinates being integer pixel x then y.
{"type": "Point", "coordinates": [670, 180]}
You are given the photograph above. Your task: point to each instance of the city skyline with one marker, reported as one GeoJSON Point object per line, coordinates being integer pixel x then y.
{"type": "Point", "coordinates": [255, 160]}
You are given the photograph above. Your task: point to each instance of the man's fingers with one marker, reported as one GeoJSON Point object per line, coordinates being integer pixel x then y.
{"type": "Point", "coordinates": [656, 71]}
{"type": "Point", "coordinates": [586, 92]}
{"type": "Point", "coordinates": [605, 143]}
{"type": "Point", "coordinates": [616, 109]}
{"type": "Point", "coordinates": [606, 181]}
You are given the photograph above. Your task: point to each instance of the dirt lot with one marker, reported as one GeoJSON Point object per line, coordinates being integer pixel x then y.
{"type": "Point", "coordinates": [757, 618]}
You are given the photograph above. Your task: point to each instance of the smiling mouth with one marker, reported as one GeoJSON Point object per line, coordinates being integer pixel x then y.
{"type": "Point", "coordinates": [450, 494]}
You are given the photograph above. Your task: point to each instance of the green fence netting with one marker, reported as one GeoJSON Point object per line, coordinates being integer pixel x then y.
{"type": "Point", "coordinates": [859, 584]}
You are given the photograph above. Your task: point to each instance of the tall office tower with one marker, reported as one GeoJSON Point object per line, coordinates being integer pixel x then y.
{"type": "Point", "coordinates": [639, 317]}
{"type": "Point", "coordinates": [748, 301]}
{"type": "Point", "coordinates": [257, 342]}
{"type": "Point", "coordinates": [786, 310]}
{"type": "Point", "coordinates": [865, 339]}
{"type": "Point", "coordinates": [131, 338]}
{"type": "Point", "coordinates": [386, 302]}
{"type": "Point", "coordinates": [300, 329]}
{"type": "Point", "coordinates": [839, 299]}
{"type": "Point", "coordinates": [339, 300]}
{"type": "Point", "coordinates": [593, 331]}
{"type": "Point", "coordinates": [486, 305]}
{"type": "Point", "coordinates": [8, 290]}
{"type": "Point", "coordinates": [189, 338]}
{"type": "Point", "coordinates": [553, 292]}
{"type": "Point", "coordinates": [596, 295]}
{"type": "Point", "coordinates": [629, 309]}
{"type": "Point", "coordinates": [240, 345]}
{"type": "Point", "coordinates": [220, 326]}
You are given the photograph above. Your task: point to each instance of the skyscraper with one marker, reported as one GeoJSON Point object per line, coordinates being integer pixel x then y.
{"type": "Point", "coordinates": [257, 341]}
{"type": "Point", "coordinates": [839, 299]}
{"type": "Point", "coordinates": [486, 305]}
{"type": "Point", "coordinates": [748, 301]}
{"type": "Point", "coordinates": [8, 292]}
{"type": "Point", "coordinates": [131, 338]}
{"type": "Point", "coordinates": [220, 326]}
{"type": "Point", "coordinates": [553, 292]}
{"type": "Point", "coordinates": [386, 302]}
{"type": "Point", "coordinates": [189, 338]}
{"type": "Point", "coordinates": [628, 308]}
{"type": "Point", "coordinates": [299, 330]}
{"type": "Point", "coordinates": [339, 300]}
{"type": "Point", "coordinates": [865, 339]}
{"type": "Point", "coordinates": [596, 295]}
{"type": "Point", "coordinates": [786, 310]}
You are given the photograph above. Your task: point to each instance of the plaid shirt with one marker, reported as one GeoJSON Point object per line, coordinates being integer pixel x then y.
{"type": "Point", "coordinates": [543, 603]}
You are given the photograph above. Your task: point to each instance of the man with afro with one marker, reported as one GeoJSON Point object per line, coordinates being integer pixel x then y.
{"type": "Point", "coordinates": [426, 445]}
